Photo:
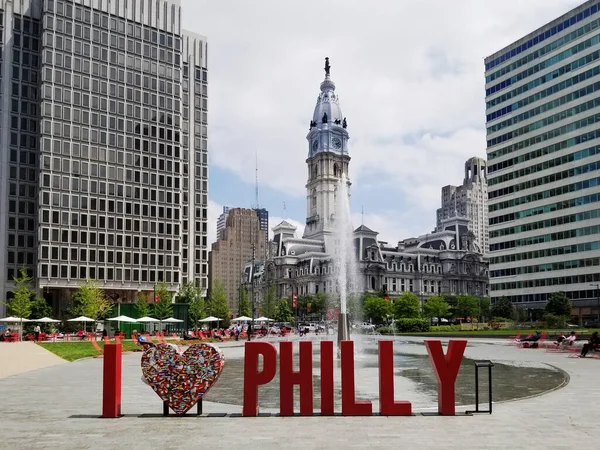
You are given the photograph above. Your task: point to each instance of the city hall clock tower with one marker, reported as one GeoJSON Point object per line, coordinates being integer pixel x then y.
{"type": "Point", "coordinates": [327, 160]}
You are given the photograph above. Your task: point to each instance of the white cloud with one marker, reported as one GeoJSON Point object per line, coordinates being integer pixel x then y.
{"type": "Point", "coordinates": [410, 79]}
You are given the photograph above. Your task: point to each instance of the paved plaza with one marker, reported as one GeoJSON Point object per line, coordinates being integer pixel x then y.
{"type": "Point", "coordinates": [58, 407]}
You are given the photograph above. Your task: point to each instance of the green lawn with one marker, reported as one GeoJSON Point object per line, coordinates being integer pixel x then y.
{"type": "Point", "coordinates": [72, 351]}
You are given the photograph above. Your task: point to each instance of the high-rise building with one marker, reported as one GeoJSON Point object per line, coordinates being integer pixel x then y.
{"type": "Point", "coordinates": [468, 200]}
{"type": "Point", "coordinates": [241, 239]}
{"type": "Point", "coordinates": [222, 221]}
{"type": "Point", "coordinates": [543, 110]}
{"type": "Point", "coordinates": [103, 172]}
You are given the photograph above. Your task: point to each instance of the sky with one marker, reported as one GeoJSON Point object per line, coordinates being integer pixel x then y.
{"type": "Point", "coordinates": [410, 77]}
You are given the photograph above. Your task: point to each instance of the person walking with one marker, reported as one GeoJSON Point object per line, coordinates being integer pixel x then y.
{"type": "Point", "coordinates": [36, 332]}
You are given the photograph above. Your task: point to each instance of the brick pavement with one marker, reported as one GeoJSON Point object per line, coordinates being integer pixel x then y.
{"type": "Point", "coordinates": [38, 410]}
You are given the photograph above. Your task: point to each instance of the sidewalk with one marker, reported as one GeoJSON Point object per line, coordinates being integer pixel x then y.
{"type": "Point", "coordinates": [20, 357]}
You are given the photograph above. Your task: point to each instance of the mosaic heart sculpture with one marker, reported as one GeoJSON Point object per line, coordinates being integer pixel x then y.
{"type": "Point", "coordinates": [181, 379]}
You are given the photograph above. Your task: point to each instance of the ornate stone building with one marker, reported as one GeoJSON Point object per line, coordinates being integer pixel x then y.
{"type": "Point", "coordinates": [446, 262]}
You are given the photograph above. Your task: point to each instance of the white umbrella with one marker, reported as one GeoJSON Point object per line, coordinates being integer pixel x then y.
{"type": "Point", "coordinates": [14, 320]}
{"type": "Point", "coordinates": [264, 319]}
{"type": "Point", "coordinates": [210, 319]}
{"type": "Point", "coordinates": [18, 320]}
{"type": "Point", "coordinates": [146, 319]}
{"type": "Point", "coordinates": [242, 319]}
{"type": "Point", "coordinates": [123, 319]}
{"type": "Point", "coordinates": [46, 320]}
{"type": "Point", "coordinates": [81, 319]}
{"type": "Point", "coordinates": [172, 320]}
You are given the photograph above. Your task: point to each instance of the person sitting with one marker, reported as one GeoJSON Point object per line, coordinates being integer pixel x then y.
{"type": "Point", "coordinates": [570, 340]}
{"type": "Point", "coordinates": [80, 334]}
{"type": "Point", "coordinates": [141, 340]}
{"type": "Point", "coordinates": [592, 344]}
{"type": "Point", "coordinates": [533, 338]}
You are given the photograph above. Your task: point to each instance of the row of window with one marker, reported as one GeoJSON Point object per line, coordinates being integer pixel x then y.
{"type": "Point", "coordinates": [543, 36]}
{"type": "Point", "coordinates": [558, 206]}
{"type": "Point", "coordinates": [549, 77]}
{"type": "Point", "coordinates": [107, 256]}
{"type": "Point", "coordinates": [546, 121]}
{"type": "Point", "coordinates": [553, 222]}
{"type": "Point", "coordinates": [21, 240]}
{"type": "Point", "coordinates": [588, 43]}
{"type": "Point", "coordinates": [115, 23]}
{"type": "Point", "coordinates": [550, 134]}
{"type": "Point", "coordinates": [546, 253]}
{"type": "Point", "coordinates": [547, 267]}
{"type": "Point", "coordinates": [526, 171]}
{"type": "Point", "coordinates": [561, 190]}
{"type": "Point", "coordinates": [68, 165]}
{"type": "Point", "coordinates": [74, 237]}
{"type": "Point", "coordinates": [543, 297]}
{"type": "Point", "coordinates": [575, 279]}
{"type": "Point", "coordinates": [67, 219]}
{"type": "Point", "coordinates": [107, 274]}
{"type": "Point", "coordinates": [545, 107]}
{"type": "Point", "coordinates": [541, 51]}
{"type": "Point", "coordinates": [541, 181]}
{"type": "Point", "coordinates": [550, 237]}
{"type": "Point", "coordinates": [549, 150]}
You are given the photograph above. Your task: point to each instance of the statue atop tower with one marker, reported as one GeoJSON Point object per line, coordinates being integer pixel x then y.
{"type": "Point", "coordinates": [327, 66]}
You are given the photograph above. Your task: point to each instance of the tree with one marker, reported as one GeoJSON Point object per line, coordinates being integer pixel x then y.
{"type": "Point", "coordinates": [187, 293]}
{"type": "Point", "coordinates": [197, 310]}
{"type": "Point", "coordinates": [407, 306]}
{"type": "Point", "coordinates": [269, 304]}
{"type": "Point", "coordinates": [436, 306]}
{"type": "Point", "coordinates": [284, 313]}
{"type": "Point", "coordinates": [377, 309]}
{"type": "Point", "coordinates": [503, 308]}
{"type": "Point", "coordinates": [559, 305]}
{"type": "Point", "coordinates": [466, 306]}
{"type": "Point", "coordinates": [89, 301]}
{"type": "Point", "coordinates": [485, 308]}
{"type": "Point", "coordinates": [20, 305]}
{"type": "Point", "coordinates": [163, 309]}
{"type": "Point", "coordinates": [217, 303]}
{"type": "Point", "coordinates": [244, 306]}
{"type": "Point", "coordinates": [40, 308]}
{"type": "Point", "coordinates": [142, 307]}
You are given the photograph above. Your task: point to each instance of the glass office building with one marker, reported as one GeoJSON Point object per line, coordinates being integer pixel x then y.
{"type": "Point", "coordinates": [103, 160]}
{"type": "Point", "coordinates": [543, 148]}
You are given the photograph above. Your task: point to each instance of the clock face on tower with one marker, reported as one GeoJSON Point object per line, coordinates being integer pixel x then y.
{"type": "Point", "coordinates": [336, 143]}
{"type": "Point", "coordinates": [315, 146]}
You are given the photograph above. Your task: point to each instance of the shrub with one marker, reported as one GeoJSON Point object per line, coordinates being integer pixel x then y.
{"type": "Point", "coordinates": [554, 321]}
{"type": "Point", "coordinates": [386, 330]}
{"type": "Point", "coordinates": [412, 325]}
{"type": "Point", "coordinates": [445, 328]}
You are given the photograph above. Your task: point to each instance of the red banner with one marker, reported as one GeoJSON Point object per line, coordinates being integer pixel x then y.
{"type": "Point", "coordinates": [294, 300]}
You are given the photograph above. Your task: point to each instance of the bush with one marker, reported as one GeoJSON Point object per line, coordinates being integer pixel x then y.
{"type": "Point", "coordinates": [386, 330]}
{"type": "Point", "coordinates": [554, 321]}
{"type": "Point", "coordinates": [445, 328]}
{"type": "Point", "coordinates": [412, 325]}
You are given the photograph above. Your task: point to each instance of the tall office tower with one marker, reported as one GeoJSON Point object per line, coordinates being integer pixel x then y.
{"type": "Point", "coordinates": [263, 216]}
{"type": "Point", "coordinates": [470, 201]}
{"type": "Point", "coordinates": [222, 221]}
{"type": "Point", "coordinates": [105, 173]}
{"type": "Point", "coordinates": [239, 241]}
{"type": "Point", "coordinates": [543, 110]}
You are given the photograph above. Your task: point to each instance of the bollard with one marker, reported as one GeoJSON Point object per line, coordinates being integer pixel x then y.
{"type": "Point", "coordinates": [111, 389]}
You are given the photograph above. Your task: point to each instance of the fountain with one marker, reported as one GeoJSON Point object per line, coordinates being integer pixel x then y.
{"type": "Point", "coordinates": [345, 255]}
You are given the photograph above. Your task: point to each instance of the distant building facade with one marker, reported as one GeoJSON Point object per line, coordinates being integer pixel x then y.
{"type": "Point", "coordinates": [238, 242]}
{"type": "Point", "coordinates": [468, 200]}
{"type": "Point", "coordinates": [448, 261]}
